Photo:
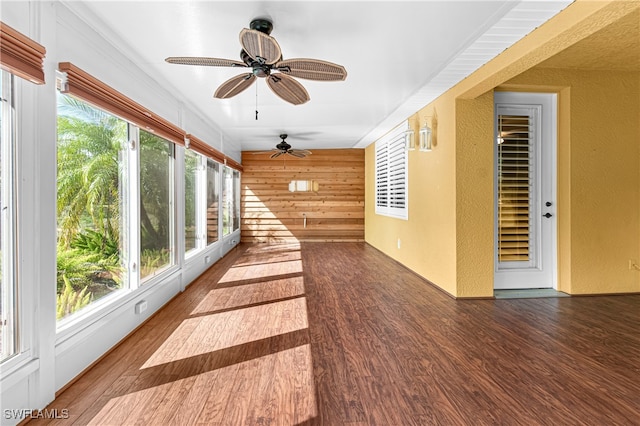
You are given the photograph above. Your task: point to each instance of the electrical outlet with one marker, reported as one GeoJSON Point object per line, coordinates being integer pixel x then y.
{"type": "Point", "coordinates": [207, 260]}
{"type": "Point", "coordinates": [140, 307]}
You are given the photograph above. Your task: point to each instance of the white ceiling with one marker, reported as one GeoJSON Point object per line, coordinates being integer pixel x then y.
{"type": "Point", "coordinates": [398, 56]}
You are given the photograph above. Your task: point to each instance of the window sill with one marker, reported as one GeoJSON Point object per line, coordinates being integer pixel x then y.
{"type": "Point", "coordinates": [17, 368]}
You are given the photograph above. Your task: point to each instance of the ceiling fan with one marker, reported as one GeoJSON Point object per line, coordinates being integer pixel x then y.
{"type": "Point", "coordinates": [262, 54]}
{"type": "Point", "coordinates": [284, 148]}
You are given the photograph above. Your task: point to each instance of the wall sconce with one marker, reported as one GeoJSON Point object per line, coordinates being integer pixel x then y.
{"type": "Point", "coordinates": [409, 141]}
{"type": "Point", "coordinates": [425, 138]}
{"type": "Point", "coordinates": [303, 186]}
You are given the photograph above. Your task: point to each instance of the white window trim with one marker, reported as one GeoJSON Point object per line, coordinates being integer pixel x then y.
{"type": "Point", "coordinates": [395, 140]}
{"type": "Point", "coordinates": [10, 309]}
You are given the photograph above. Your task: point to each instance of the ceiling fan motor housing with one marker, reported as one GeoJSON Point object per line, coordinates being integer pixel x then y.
{"type": "Point", "coordinates": [283, 146]}
{"type": "Point", "coordinates": [262, 25]}
{"type": "Point", "coordinates": [259, 69]}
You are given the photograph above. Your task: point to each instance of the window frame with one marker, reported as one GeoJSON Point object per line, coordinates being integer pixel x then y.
{"type": "Point", "coordinates": [198, 182]}
{"type": "Point", "coordinates": [218, 188]}
{"type": "Point", "coordinates": [173, 257]}
{"type": "Point", "coordinates": [392, 174]}
{"type": "Point", "coordinates": [75, 82]}
{"type": "Point", "coordinates": [227, 201]}
{"type": "Point", "coordinates": [10, 321]}
{"type": "Point", "coordinates": [67, 325]}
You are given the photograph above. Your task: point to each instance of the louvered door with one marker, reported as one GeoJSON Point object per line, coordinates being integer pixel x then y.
{"type": "Point", "coordinates": [517, 187]}
{"type": "Point", "coordinates": [525, 180]}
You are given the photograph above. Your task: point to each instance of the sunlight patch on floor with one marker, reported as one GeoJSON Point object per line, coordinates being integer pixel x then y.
{"type": "Point", "coordinates": [261, 270]}
{"type": "Point", "coordinates": [209, 333]}
{"type": "Point", "coordinates": [285, 394]}
{"type": "Point", "coordinates": [249, 294]}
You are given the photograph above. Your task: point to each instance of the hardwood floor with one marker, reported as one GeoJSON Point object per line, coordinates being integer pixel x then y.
{"type": "Point", "coordinates": [339, 334]}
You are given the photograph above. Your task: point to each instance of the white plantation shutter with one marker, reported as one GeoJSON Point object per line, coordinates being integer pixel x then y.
{"type": "Point", "coordinates": [516, 189]}
{"type": "Point", "coordinates": [397, 173]}
{"type": "Point", "coordinates": [382, 175]}
{"type": "Point", "coordinates": [391, 174]}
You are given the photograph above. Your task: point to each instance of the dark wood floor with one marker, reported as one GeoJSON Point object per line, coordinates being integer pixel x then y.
{"type": "Point", "coordinates": [337, 333]}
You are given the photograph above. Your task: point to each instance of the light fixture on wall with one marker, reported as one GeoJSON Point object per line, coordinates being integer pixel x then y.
{"type": "Point", "coordinates": [409, 140]}
{"type": "Point", "coordinates": [425, 138]}
{"type": "Point", "coordinates": [303, 186]}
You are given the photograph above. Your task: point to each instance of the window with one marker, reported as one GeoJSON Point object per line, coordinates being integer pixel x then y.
{"type": "Point", "coordinates": [236, 200]}
{"type": "Point", "coordinates": [117, 193]}
{"type": "Point", "coordinates": [392, 174]}
{"type": "Point", "coordinates": [212, 200]}
{"type": "Point", "coordinates": [192, 163]}
{"type": "Point", "coordinates": [91, 205]}
{"type": "Point", "coordinates": [156, 204]}
{"type": "Point", "coordinates": [230, 196]}
{"type": "Point", "coordinates": [95, 182]}
{"type": "Point", "coordinates": [8, 285]}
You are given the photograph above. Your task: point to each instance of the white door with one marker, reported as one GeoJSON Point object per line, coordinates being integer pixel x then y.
{"type": "Point", "coordinates": [525, 171]}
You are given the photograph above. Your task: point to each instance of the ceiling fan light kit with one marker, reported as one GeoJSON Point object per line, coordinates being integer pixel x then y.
{"type": "Point", "coordinates": [262, 54]}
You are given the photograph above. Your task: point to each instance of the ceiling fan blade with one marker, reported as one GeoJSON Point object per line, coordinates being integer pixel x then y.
{"type": "Point", "coordinates": [272, 151]}
{"type": "Point", "coordinates": [301, 151]}
{"type": "Point", "coordinates": [260, 45]}
{"type": "Point", "coordinates": [312, 69]}
{"type": "Point", "coordinates": [234, 85]}
{"type": "Point", "coordinates": [209, 62]}
{"type": "Point", "coordinates": [287, 88]}
{"type": "Point", "coordinates": [277, 154]}
{"type": "Point", "coordinates": [296, 154]}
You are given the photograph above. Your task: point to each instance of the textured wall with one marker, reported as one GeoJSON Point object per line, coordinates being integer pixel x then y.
{"type": "Point", "coordinates": [428, 237]}
{"type": "Point", "coordinates": [448, 238]}
{"type": "Point", "coordinates": [601, 189]}
{"type": "Point", "coordinates": [335, 212]}
{"type": "Point", "coordinates": [475, 196]}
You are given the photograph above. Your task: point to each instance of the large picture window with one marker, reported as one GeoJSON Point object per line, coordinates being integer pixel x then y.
{"type": "Point", "coordinates": [91, 206]}
{"type": "Point", "coordinates": [213, 200]}
{"type": "Point", "coordinates": [392, 174]}
{"type": "Point", "coordinates": [231, 212]}
{"type": "Point", "coordinates": [116, 193]}
{"type": "Point", "coordinates": [192, 162]}
{"type": "Point", "coordinates": [156, 204]}
{"type": "Point", "coordinates": [8, 283]}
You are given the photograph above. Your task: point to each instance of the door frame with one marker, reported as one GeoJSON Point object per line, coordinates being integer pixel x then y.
{"type": "Point", "coordinates": [549, 133]}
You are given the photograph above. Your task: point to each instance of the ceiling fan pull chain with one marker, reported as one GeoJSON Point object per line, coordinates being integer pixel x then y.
{"type": "Point", "coordinates": [256, 102]}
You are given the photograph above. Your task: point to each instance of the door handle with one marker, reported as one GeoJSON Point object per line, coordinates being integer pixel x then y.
{"type": "Point", "coordinates": [547, 215]}
{"type": "Point", "coordinates": [548, 204]}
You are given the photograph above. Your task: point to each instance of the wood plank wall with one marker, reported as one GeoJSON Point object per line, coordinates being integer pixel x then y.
{"type": "Point", "coordinates": [270, 213]}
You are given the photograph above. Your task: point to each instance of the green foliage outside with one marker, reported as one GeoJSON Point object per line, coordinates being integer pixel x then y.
{"type": "Point", "coordinates": [91, 200]}
{"type": "Point", "coordinates": [71, 300]}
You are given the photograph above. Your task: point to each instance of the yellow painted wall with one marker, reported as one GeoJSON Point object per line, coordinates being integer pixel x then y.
{"type": "Point", "coordinates": [475, 197]}
{"type": "Point", "coordinates": [448, 238]}
{"type": "Point", "coordinates": [428, 237]}
{"type": "Point", "coordinates": [603, 172]}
